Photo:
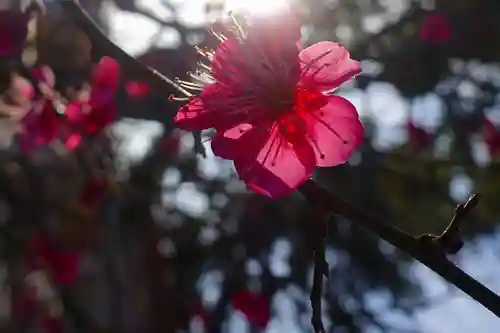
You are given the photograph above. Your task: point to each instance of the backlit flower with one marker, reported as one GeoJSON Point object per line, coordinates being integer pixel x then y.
{"type": "Point", "coordinates": [270, 104]}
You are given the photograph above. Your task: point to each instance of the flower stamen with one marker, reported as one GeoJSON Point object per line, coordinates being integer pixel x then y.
{"type": "Point", "coordinates": [173, 98]}
{"type": "Point", "coordinates": [240, 32]}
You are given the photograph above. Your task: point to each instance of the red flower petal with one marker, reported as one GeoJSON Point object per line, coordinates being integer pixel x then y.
{"type": "Point", "coordinates": [137, 89]}
{"type": "Point", "coordinates": [106, 74]}
{"type": "Point", "coordinates": [228, 59]}
{"type": "Point", "coordinates": [326, 65]}
{"type": "Point", "coordinates": [418, 137]}
{"type": "Point", "coordinates": [105, 82]}
{"type": "Point", "coordinates": [334, 131]}
{"type": "Point", "coordinates": [214, 108]}
{"type": "Point", "coordinates": [39, 127]}
{"type": "Point", "coordinates": [277, 167]}
{"type": "Point", "coordinates": [435, 29]}
{"type": "Point", "coordinates": [193, 116]}
{"type": "Point", "coordinates": [491, 136]}
{"type": "Point", "coordinates": [171, 144]}
{"type": "Point", "coordinates": [45, 75]}
{"type": "Point", "coordinates": [63, 265]}
{"type": "Point", "coordinates": [226, 145]}
{"type": "Point", "coordinates": [255, 307]}
{"type": "Point", "coordinates": [75, 113]}
{"type": "Point", "coordinates": [23, 87]}
{"type": "Point", "coordinates": [73, 141]}
{"type": "Point", "coordinates": [99, 118]}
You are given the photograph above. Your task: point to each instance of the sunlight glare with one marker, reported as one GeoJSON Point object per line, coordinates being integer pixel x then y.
{"type": "Point", "coordinates": [256, 7]}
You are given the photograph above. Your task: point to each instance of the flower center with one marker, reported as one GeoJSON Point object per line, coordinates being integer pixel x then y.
{"type": "Point", "coordinates": [279, 99]}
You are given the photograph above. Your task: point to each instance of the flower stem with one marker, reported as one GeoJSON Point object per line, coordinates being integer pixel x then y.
{"type": "Point", "coordinates": [429, 256]}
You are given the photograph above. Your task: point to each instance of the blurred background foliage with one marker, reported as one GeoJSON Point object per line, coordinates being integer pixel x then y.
{"type": "Point", "coordinates": [177, 243]}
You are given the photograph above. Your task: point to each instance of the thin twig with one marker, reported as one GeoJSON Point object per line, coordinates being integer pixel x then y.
{"type": "Point", "coordinates": [450, 240]}
{"type": "Point", "coordinates": [107, 47]}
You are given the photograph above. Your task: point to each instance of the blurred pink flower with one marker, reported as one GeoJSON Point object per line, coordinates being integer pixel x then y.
{"type": "Point", "coordinates": [254, 306]}
{"type": "Point", "coordinates": [40, 126]}
{"type": "Point", "coordinates": [171, 144]}
{"type": "Point", "coordinates": [267, 100]}
{"type": "Point", "coordinates": [41, 123]}
{"type": "Point", "coordinates": [418, 137]}
{"type": "Point", "coordinates": [435, 29]}
{"type": "Point", "coordinates": [90, 117]}
{"type": "Point", "coordinates": [137, 89]}
{"type": "Point", "coordinates": [491, 135]}
{"type": "Point", "coordinates": [62, 264]}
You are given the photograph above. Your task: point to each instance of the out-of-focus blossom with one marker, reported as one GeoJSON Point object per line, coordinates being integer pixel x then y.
{"type": "Point", "coordinates": [170, 144]}
{"type": "Point", "coordinates": [61, 264]}
{"type": "Point", "coordinates": [90, 117]}
{"type": "Point", "coordinates": [137, 89]}
{"type": "Point", "coordinates": [51, 118]}
{"type": "Point", "coordinates": [254, 306]}
{"type": "Point", "coordinates": [435, 29]}
{"type": "Point", "coordinates": [491, 134]}
{"type": "Point", "coordinates": [13, 31]}
{"type": "Point", "coordinates": [22, 89]}
{"type": "Point", "coordinates": [418, 138]}
{"type": "Point", "coordinates": [41, 124]}
{"type": "Point", "coordinates": [270, 104]}
{"type": "Point", "coordinates": [39, 127]}
{"type": "Point", "coordinates": [45, 75]}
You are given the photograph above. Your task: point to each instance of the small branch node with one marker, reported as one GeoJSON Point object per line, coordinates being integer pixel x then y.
{"type": "Point", "coordinates": [450, 241]}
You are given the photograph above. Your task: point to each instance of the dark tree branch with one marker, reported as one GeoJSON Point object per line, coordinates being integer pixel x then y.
{"type": "Point", "coordinates": [450, 240]}
{"type": "Point", "coordinates": [432, 257]}
{"type": "Point", "coordinates": [107, 47]}
{"type": "Point", "coordinates": [320, 269]}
